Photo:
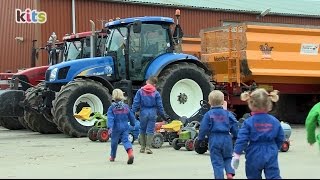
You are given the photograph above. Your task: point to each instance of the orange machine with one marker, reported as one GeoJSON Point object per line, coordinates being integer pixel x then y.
{"type": "Point", "coordinates": [285, 58]}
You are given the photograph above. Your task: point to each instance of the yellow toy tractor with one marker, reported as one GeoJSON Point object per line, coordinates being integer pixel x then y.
{"type": "Point", "coordinates": [99, 130]}
{"type": "Point", "coordinates": [167, 133]}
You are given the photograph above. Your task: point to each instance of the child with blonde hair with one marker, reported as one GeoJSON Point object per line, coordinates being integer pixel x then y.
{"type": "Point", "coordinates": [118, 115]}
{"type": "Point", "coordinates": [217, 124]}
{"type": "Point", "coordinates": [261, 136]}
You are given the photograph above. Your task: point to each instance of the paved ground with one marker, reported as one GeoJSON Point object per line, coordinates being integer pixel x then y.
{"type": "Point", "coordinates": [26, 154]}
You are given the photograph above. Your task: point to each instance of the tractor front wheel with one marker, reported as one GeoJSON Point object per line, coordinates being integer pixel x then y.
{"type": "Point", "coordinates": [72, 98]}
{"type": "Point", "coordinates": [11, 123]}
{"type": "Point", "coordinates": [35, 120]}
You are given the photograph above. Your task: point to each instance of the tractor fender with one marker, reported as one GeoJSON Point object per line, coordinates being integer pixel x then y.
{"type": "Point", "coordinates": [105, 82]}
{"type": "Point", "coordinates": [161, 62]}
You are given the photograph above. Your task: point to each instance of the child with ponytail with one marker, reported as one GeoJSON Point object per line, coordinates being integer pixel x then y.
{"type": "Point", "coordinates": [261, 136]}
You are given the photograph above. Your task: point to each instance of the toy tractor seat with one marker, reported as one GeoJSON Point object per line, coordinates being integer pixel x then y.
{"type": "Point", "coordinates": [84, 114]}
{"type": "Point", "coordinates": [174, 126]}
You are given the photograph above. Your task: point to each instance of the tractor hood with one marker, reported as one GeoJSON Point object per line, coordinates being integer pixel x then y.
{"type": "Point", "coordinates": [66, 71]}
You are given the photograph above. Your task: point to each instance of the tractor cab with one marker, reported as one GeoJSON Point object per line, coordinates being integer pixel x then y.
{"type": "Point", "coordinates": [77, 46]}
{"type": "Point", "coordinates": [135, 42]}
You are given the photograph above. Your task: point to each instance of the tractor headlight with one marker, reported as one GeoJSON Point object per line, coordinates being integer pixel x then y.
{"type": "Point", "coordinates": [53, 74]}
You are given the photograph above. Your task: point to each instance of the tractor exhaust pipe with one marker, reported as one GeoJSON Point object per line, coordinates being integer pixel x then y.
{"type": "Point", "coordinates": [92, 39]}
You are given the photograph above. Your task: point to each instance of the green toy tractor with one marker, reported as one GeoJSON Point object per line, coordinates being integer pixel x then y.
{"type": "Point", "coordinates": [99, 130]}
{"type": "Point", "coordinates": [187, 136]}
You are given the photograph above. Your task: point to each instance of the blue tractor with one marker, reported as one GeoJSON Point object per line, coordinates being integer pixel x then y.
{"type": "Point", "coordinates": [136, 48]}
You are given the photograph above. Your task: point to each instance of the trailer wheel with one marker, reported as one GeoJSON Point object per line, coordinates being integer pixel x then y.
{"type": "Point", "coordinates": [11, 123]}
{"type": "Point", "coordinates": [37, 121]}
{"type": "Point", "coordinates": [72, 98]}
{"type": "Point", "coordinates": [182, 86]}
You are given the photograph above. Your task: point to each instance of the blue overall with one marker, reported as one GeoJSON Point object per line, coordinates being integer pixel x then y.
{"type": "Point", "coordinates": [118, 115]}
{"type": "Point", "coordinates": [149, 101]}
{"type": "Point", "coordinates": [217, 124]}
{"type": "Point", "coordinates": [261, 135]}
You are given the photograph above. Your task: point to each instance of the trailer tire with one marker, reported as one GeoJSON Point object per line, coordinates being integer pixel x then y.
{"type": "Point", "coordinates": [37, 121]}
{"type": "Point", "coordinates": [182, 86]}
{"type": "Point", "coordinates": [64, 106]}
{"type": "Point", "coordinates": [11, 123]}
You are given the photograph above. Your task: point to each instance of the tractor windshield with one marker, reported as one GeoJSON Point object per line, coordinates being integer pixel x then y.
{"type": "Point", "coordinates": [73, 50]}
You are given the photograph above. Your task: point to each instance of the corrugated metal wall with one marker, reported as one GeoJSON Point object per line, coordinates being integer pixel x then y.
{"type": "Point", "coordinates": [14, 55]}
{"type": "Point", "coordinates": [192, 20]}
{"type": "Point", "coordinates": [59, 20]}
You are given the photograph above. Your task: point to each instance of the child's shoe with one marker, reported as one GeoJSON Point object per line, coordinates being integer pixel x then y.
{"type": "Point", "coordinates": [229, 176]}
{"type": "Point", "coordinates": [130, 156]}
{"type": "Point", "coordinates": [111, 159]}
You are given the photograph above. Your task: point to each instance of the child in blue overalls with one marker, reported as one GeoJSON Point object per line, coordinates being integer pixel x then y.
{"type": "Point", "coordinates": [118, 115]}
{"type": "Point", "coordinates": [261, 136]}
{"type": "Point", "coordinates": [149, 102]}
{"type": "Point", "coordinates": [217, 124]}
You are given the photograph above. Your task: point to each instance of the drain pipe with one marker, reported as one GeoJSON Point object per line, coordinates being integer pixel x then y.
{"type": "Point", "coordinates": [92, 39]}
{"type": "Point", "coordinates": [73, 16]}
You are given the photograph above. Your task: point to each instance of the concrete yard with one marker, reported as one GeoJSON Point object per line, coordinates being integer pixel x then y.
{"type": "Point", "coordinates": [26, 154]}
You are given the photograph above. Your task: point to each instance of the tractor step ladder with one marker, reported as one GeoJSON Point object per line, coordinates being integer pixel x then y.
{"type": "Point", "coordinates": [234, 58]}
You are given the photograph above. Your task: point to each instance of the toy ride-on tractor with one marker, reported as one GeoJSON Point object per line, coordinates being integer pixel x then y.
{"type": "Point", "coordinates": [287, 133]}
{"type": "Point", "coordinates": [99, 130]}
{"type": "Point", "coordinates": [166, 133]}
{"type": "Point", "coordinates": [187, 136]}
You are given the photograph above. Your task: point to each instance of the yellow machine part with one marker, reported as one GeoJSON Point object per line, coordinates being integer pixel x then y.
{"type": "Point", "coordinates": [174, 126]}
{"type": "Point", "coordinates": [267, 53]}
{"type": "Point", "coordinates": [84, 114]}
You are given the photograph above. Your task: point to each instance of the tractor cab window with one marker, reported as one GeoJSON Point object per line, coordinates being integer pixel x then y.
{"type": "Point", "coordinates": [151, 42]}
{"type": "Point", "coordinates": [73, 50]}
{"type": "Point", "coordinates": [116, 44]}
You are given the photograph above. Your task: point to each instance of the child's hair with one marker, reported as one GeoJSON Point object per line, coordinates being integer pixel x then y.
{"type": "Point", "coordinates": [260, 99]}
{"type": "Point", "coordinates": [153, 80]}
{"type": "Point", "coordinates": [216, 98]}
{"type": "Point", "coordinates": [117, 95]}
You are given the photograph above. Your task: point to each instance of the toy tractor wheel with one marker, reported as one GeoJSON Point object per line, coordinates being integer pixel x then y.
{"type": "Point", "coordinates": [285, 146]}
{"type": "Point", "coordinates": [175, 144]}
{"type": "Point", "coordinates": [188, 84]}
{"type": "Point", "coordinates": [157, 140]}
{"type": "Point", "coordinates": [189, 144]}
{"type": "Point", "coordinates": [11, 123]}
{"type": "Point", "coordinates": [198, 148]}
{"type": "Point", "coordinates": [92, 133]}
{"type": "Point", "coordinates": [103, 135]}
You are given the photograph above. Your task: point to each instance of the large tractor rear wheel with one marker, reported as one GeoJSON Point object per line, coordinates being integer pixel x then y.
{"type": "Point", "coordinates": [182, 86]}
{"type": "Point", "coordinates": [37, 121]}
{"type": "Point", "coordinates": [11, 123]}
{"type": "Point", "coordinates": [72, 98]}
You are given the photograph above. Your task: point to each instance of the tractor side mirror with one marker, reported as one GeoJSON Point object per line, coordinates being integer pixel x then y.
{"type": "Point", "coordinates": [137, 26]}
{"type": "Point", "coordinates": [178, 33]}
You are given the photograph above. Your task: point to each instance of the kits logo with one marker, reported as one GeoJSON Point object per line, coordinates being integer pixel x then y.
{"type": "Point", "coordinates": [30, 16]}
